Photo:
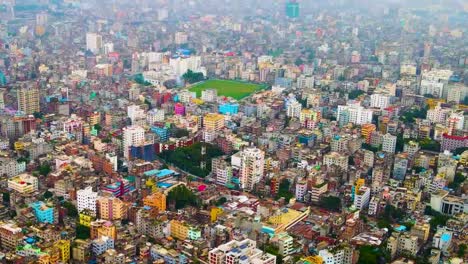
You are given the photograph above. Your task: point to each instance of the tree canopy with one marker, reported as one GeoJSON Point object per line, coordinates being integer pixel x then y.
{"type": "Point", "coordinates": [182, 197]}
{"type": "Point", "coordinates": [330, 203]}
{"type": "Point", "coordinates": [189, 158]}
{"type": "Point", "coordinates": [193, 77]}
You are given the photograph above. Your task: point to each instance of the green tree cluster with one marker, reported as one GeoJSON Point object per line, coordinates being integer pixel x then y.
{"type": "Point", "coordinates": [438, 219]}
{"type": "Point", "coordinates": [44, 169]}
{"type": "Point", "coordinates": [189, 158]}
{"type": "Point", "coordinates": [332, 203]}
{"type": "Point", "coordinates": [429, 144]}
{"type": "Point", "coordinates": [82, 232]}
{"type": "Point", "coordinates": [182, 197]}
{"type": "Point", "coordinates": [283, 190]}
{"type": "Point", "coordinates": [138, 78]}
{"type": "Point", "coordinates": [193, 77]}
{"type": "Point", "coordinates": [369, 147]}
{"type": "Point", "coordinates": [457, 181]}
{"type": "Point", "coordinates": [354, 93]}
{"type": "Point", "coordinates": [71, 209]}
{"type": "Point", "coordinates": [409, 116]}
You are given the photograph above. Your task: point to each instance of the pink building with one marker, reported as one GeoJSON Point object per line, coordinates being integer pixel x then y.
{"type": "Point", "coordinates": [179, 109]}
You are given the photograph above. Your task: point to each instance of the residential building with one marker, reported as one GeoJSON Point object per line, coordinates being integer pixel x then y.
{"type": "Point", "coordinates": [213, 122]}
{"type": "Point", "coordinates": [28, 100]}
{"type": "Point", "coordinates": [10, 236]}
{"type": "Point", "coordinates": [132, 136]}
{"type": "Point", "coordinates": [100, 245]}
{"type": "Point", "coordinates": [86, 200]}
{"type": "Point", "coordinates": [353, 113]}
{"type": "Point", "coordinates": [111, 208]}
{"type": "Point", "coordinates": [23, 183]}
{"type": "Point", "coordinates": [44, 213]}
{"type": "Point", "coordinates": [362, 197]}
{"type": "Point", "coordinates": [241, 252]}
{"type": "Point", "coordinates": [93, 42]}
{"type": "Point", "coordinates": [157, 200]}
{"type": "Point", "coordinates": [250, 162]}
{"type": "Point", "coordinates": [389, 143]}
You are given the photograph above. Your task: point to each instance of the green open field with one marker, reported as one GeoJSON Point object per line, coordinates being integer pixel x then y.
{"type": "Point", "coordinates": [234, 89]}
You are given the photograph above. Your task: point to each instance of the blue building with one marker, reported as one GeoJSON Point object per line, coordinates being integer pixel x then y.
{"type": "Point", "coordinates": [43, 213]}
{"type": "Point", "coordinates": [228, 109]}
{"type": "Point", "coordinates": [283, 82]}
{"type": "Point", "coordinates": [162, 132]}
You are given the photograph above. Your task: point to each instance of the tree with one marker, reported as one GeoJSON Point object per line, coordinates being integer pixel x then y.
{"type": "Point", "coordinates": [182, 197]}
{"type": "Point", "coordinates": [221, 201]}
{"type": "Point", "coordinates": [299, 62]}
{"type": "Point", "coordinates": [330, 203]}
{"type": "Point", "coordinates": [354, 93]}
{"type": "Point", "coordinates": [283, 190]}
{"type": "Point", "coordinates": [457, 181]}
{"type": "Point", "coordinates": [71, 209]}
{"type": "Point", "coordinates": [6, 197]}
{"type": "Point", "coordinates": [369, 147]}
{"type": "Point", "coordinates": [38, 115]}
{"type": "Point", "coordinates": [193, 77]}
{"type": "Point", "coordinates": [98, 127]}
{"type": "Point", "coordinates": [461, 250]}
{"type": "Point", "coordinates": [170, 84]}
{"type": "Point", "coordinates": [368, 255]}
{"type": "Point", "coordinates": [82, 232]}
{"type": "Point", "coordinates": [48, 195]}
{"type": "Point", "coordinates": [44, 169]}
{"type": "Point", "coordinates": [459, 151]}
{"type": "Point", "coordinates": [138, 78]}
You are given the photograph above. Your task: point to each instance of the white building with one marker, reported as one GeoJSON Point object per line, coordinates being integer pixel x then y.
{"type": "Point", "coordinates": [23, 183]}
{"type": "Point", "coordinates": [301, 190]}
{"type": "Point", "coordinates": [181, 65]}
{"type": "Point", "coordinates": [240, 252]}
{"type": "Point", "coordinates": [100, 245]}
{"type": "Point", "coordinates": [209, 95]}
{"type": "Point", "coordinates": [373, 205]}
{"type": "Point", "coordinates": [155, 115]}
{"type": "Point", "coordinates": [354, 113]}
{"type": "Point", "coordinates": [389, 143]}
{"type": "Point", "coordinates": [362, 198]}
{"type": "Point", "coordinates": [93, 42]}
{"type": "Point", "coordinates": [381, 101]}
{"type": "Point", "coordinates": [134, 112]}
{"type": "Point", "coordinates": [132, 136]}
{"type": "Point", "coordinates": [305, 82]}
{"type": "Point", "coordinates": [341, 255]}
{"type": "Point", "coordinates": [86, 200]}
{"type": "Point", "coordinates": [294, 109]}
{"type": "Point", "coordinates": [250, 162]}
{"type": "Point", "coordinates": [11, 167]}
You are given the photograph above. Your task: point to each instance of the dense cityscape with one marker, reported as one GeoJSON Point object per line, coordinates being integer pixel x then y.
{"type": "Point", "coordinates": [234, 131]}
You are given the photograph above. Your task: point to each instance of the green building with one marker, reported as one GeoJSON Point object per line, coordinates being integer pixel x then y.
{"type": "Point", "coordinates": [292, 9]}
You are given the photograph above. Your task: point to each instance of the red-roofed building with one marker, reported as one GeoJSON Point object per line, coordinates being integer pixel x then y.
{"type": "Point", "coordinates": [453, 142]}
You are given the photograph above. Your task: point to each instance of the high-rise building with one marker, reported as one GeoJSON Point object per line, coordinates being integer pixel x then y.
{"type": "Point", "coordinates": [10, 236]}
{"type": "Point", "coordinates": [380, 101]}
{"type": "Point", "coordinates": [400, 166]}
{"type": "Point", "coordinates": [213, 122]}
{"type": "Point", "coordinates": [362, 197]}
{"type": "Point", "coordinates": [132, 136]}
{"type": "Point", "coordinates": [353, 113]}
{"type": "Point", "coordinates": [111, 208]}
{"type": "Point", "coordinates": [389, 143]}
{"type": "Point", "coordinates": [241, 252]}
{"type": "Point", "coordinates": [86, 200]}
{"type": "Point", "coordinates": [292, 9]}
{"type": "Point", "coordinates": [93, 42]}
{"type": "Point", "coordinates": [28, 100]}
{"type": "Point", "coordinates": [293, 109]}
{"type": "Point", "coordinates": [250, 162]}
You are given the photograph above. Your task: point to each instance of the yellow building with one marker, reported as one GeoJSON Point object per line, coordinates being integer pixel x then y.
{"type": "Point", "coordinates": [111, 208]}
{"type": "Point", "coordinates": [359, 183]}
{"type": "Point", "coordinates": [64, 249]}
{"type": "Point", "coordinates": [213, 122]}
{"type": "Point", "coordinates": [366, 131]}
{"type": "Point", "coordinates": [286, 218]}
{"type": "Point", "coordinates": [215, 212]}
{"type": "Point", "coordinates": [309, 114]}
{"type": "Point", "coordinates": [103, 228]}
{"type": "Point", "coordinates": [156, 199]}
{"type": "Point", "coordinates": [433, 102]}
{"type": "Point", "coordinates": [421, 231]}
{"type": "Point", "coordinates": [312, 260]}
{"type": "Point", "coordinates": [95, 118]}
{"type": "Point", "coordinates": [85, 219]}
{"type": "Point", "coordinates": [28, 100]}
{"type": "Point", "coordinates": [179, 230]}
{"type": "Point", "coordinates": [19, 145]}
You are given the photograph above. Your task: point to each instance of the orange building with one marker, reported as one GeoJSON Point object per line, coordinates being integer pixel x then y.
{"type": "Point", "coordinates": [157, 200]}
{"type": "Point", "coordinates": [366, 131]}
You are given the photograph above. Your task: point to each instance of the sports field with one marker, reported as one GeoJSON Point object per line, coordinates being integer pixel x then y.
{"type": "Point", "coordinates": [234, 89]}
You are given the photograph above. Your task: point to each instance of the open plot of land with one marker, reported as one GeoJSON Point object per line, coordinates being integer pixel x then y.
{"type": "Point", "coordinates": [234, 89]}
